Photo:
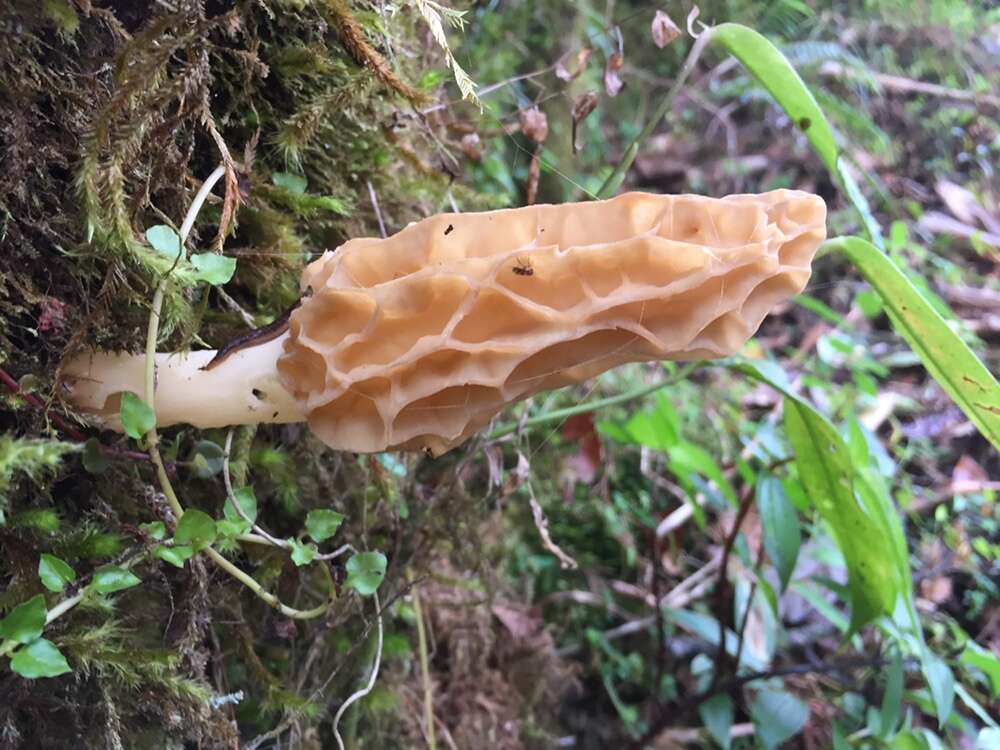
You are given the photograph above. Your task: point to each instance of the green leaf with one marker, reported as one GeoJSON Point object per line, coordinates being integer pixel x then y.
{"type": "Point", "coordinates": [941, 683]}
{"type": "Point", "coordinates": [780, 521]}
{"type": "Point", "coordinates": [164, 240]}
{"type": "Point", "coordinates": [156, 530]}
{"type": "Point", "coordinates": [214, 268]}
{"type": "Point", "coordinates": [195, 528]}
{"type": "Point", "coordinates": [246, 501]}
{"type": "Point", "coordinates": [947, 358]}
{"type": "Point", "coordinates": [94, 460]}
{"type": "Point", "coordinates": [176, 555]}
{"type": "Point", "coordinates": [365, 572]}
{"type": "Point", "coordinates": [765, 62]}
{"type": "Point", "coordinates": [55, 573]}
{"type": "Point", "coordinates": [40, 658]}
{"type": "Point", "coordinates": [322, 524]}
{"type": "Point", "coordinates": [25, 622]}
{"type": "Point", "coordinates": [717, 716]}
{"type": "Point", "coordinates": [303, 554]}
{"type": "Point", "coordinates": [293, 183]}
{"type": "Point", "coordinates": [137, 418]}
{"type": "Point", "coordinates": [208, 458]}
{"type": "Point", "coordinates": [777, 715]}
{"type": "Point", "coordinates": [112, 578]}
{"type": "Point", "coordinates": [892, 699]}
{"type": "Point", "coordinates": [826, 472]}
{"type": "Point", "coordinates": [976, 656]}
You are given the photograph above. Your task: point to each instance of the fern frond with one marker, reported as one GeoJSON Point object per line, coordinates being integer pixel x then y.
{"type": "Point", "coordinates": [432, 14]}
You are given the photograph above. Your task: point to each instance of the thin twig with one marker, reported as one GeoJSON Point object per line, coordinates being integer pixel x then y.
{"type": "Point", "coordinates": [358, 695]}
{"type": "Point", "coordinates": [425, 672]}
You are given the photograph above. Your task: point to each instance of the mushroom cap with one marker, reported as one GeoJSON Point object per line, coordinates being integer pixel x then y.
{"type": "Point", "coordinates": [417, 341]}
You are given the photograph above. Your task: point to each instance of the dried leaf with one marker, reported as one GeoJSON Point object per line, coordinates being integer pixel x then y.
{"type": "Point", "coordinates": [664, 29]}
{"type": "Point", "coordinates": [534, 174]}
{"type": "Point", "coordinates": [583, 105]}
{"type": "Point", "coordinates": [587, 461]}
{"type": "Point", "coordinates": [582, 57]}
{"type": "Point", "coordinates": [521, 623]}
{"type": "Point", "coordinates": [534, 124]}
{"type": "Point", "coordinates": [968, 475]}
{"type": "Point", "coordinates": [471, 146]}
{"type": "Point", "coordinates": [613, 83]}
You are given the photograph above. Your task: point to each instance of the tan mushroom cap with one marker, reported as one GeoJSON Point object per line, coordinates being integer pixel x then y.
{"type": "Point", "coordinates": [419, 340]}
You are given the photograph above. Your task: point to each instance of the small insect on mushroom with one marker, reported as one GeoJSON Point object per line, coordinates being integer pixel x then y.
{"type": "Point", "coordinates": [523, 267]}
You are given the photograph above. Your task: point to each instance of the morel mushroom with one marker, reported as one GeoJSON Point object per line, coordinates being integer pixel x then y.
{"type": "Point", "coordinates": [417, 341]}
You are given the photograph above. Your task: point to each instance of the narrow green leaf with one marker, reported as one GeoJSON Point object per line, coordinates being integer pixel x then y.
{"type": "Point", "coordinates": [40, 658]}
{"type": "Point", "coordinates": [717, 716]}
{"type": "Point", "coordinates": [365, 572]}
{"type": "Point", "coordinates": [825, 469]}
{"type": "Point", "coordinates": [195, 528]}
{"type": "Point", "coordinates": [112, 578]}
{"type": "Point", "coordinates": [55, 573]}
{"type": "Point", "coordinates": [947, 358]}
{"type": "Point", "coordinates": [25, 622]}
{"type": "Point", "coordinates": [164, 240]}
{"type": "Point", "coordinates": [777, 716]}
{"type": "Point", "coordinates": [780, 522]}
{"type": "Point", "coordinates": [303, 554]}
{"type": "Point", "coordinates": [765, 62]}
{"type": "Point", "coordinates": [976, 656]}
{"type": "Point", "coordinates": [322, 524]}
{"type": "Point", "coordinates": [892, 699]}
{"type": "Point", "coordinates": [214, 268]}
{"type": "Point", "coordinates": [941, 683]}
{"type": "Point", "coordinates": [137, 418]}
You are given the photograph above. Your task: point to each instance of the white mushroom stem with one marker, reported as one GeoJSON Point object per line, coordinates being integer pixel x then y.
{"type": "Point", "coordinates": [242, 389]}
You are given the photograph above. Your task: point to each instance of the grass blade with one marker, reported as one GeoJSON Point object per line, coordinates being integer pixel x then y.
{"type": "Point", "coordinates": [947, 358]}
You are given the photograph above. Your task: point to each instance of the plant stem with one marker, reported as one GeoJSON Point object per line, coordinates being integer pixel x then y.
{"type": "Point", "coordinates": [358, 695]}
{"type": "Point", "coordinates": [617, 177]}
{"type": "Point", "coordinates": [425, 674]}
{"type": "Point", "coordinates": [152, 437]}
{"type": "Point", "coordinates": [588, 406]}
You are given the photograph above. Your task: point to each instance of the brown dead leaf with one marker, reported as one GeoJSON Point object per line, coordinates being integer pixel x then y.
{"type": "Point", "coordinates": [471, 146]}
{"type": "Point", "coordinates": [534, 124]}
{"type": "Point", "coordinates": [613, 83]}
{"type": "Point", "coordinates": [584, 465]}
{"type": "Point", "coordinates": [521, 622]}
{"type": "Point", "coordinates": [583, 105]}
{"type": "Point", "coordinates": [582, 57]}
{"type": "Point", "coordinates": [534, 174]}
{"type": "Point", "coordinates": [967, 476]}
{"type": "Point", "coordinates": [936, 590]}
{"type": "Point", "coordinates": [664, 29]}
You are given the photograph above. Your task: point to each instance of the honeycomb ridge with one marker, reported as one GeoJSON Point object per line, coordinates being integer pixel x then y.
{"type": "Point", "coordinates": [417, 341]}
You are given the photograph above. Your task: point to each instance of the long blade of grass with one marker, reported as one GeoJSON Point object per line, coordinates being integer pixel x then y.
{"type": "Point", "coordinates": [947, 358]}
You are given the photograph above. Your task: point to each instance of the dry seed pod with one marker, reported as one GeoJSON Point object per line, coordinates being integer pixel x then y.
{"type": "Point", "coordinates": [419, 340]}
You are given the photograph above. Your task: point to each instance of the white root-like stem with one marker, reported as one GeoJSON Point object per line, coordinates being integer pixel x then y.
{"type": "Point", "coordinates": [242, 389]}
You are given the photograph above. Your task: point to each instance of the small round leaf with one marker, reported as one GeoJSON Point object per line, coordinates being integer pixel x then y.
{"type": "Point", "coordinates": [176, 555]}
{"type": "Point", "coordinates": [213, 268]}
{"type": "Point", "coordinates": [137, 418]}
{"type": "Point", "coordinates": [164, 240]}
{"type": "Point", "coordinates": [25, 622]}
{"type": "Point", "coordinates": [55, 573]}
{"type": "Point", "coordinates": [111, 579]}
{"type": "Point", "coordinates": [322, 524]}
{"type": "Point", "coordinates": [208, 458]}
{"type": "Point", "coordinates": [195, 528]}
{"type": "Point", "coordinates": [302, 554]}
{"type": "Point", "coordinates": [365, 572]}
{"type": "Point", "coordinates": [40, 658]}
